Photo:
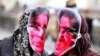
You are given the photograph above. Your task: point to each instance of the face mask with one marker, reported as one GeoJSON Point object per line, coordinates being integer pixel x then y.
{"type": "Point", "coordinates": [66, 36]}
{"type": "Point", "coordinates": [37, 32]}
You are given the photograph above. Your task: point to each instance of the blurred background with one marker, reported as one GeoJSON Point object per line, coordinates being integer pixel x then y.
{"type": "Point", "coordinates": [11, 10]}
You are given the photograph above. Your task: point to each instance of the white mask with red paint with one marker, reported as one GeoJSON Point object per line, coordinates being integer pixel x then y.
{"type": "Point", "coordinates": [37, 32]}
{"type": "Point", "coordinates": [68, 35]}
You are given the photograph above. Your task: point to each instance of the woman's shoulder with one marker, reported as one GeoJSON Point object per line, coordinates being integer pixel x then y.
{"type": "Point", "coordinates": [92, 53]}
{"type": "Point", "coordinates": [6, 42]}
{"type": "Point", "coordinates": [6, 46]}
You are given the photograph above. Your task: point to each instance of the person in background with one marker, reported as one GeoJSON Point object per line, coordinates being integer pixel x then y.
{"type": "Point", "coordinates": [71, 4]}
{"type": "Point", "coordinates": [28, 39]}
{"type": "Point", "coordinates": [73, 38]}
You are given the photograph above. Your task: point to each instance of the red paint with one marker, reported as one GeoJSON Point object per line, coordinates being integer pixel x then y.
{"type": "Point", "coordinates": [42, 19]}
{"type": "Point", "coordinates": [37, 33]}
{"type": "Point", "coordinates": [64, 21]}
{"type": "Point", "coordinates": [65, 37]}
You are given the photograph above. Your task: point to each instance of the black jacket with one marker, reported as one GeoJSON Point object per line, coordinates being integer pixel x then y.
{"type": "Point", "coordinates": [6, 47]}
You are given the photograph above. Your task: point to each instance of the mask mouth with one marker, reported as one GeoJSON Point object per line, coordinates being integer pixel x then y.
{"type": "Point", "coordinates": [61, 51]}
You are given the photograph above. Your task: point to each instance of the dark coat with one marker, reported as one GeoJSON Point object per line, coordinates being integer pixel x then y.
{"type": "Point", "coordinates": [6, 47]}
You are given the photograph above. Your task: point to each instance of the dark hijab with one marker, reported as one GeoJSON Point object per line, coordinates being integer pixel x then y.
{"type": "Point", "coordinates": [21, 41]}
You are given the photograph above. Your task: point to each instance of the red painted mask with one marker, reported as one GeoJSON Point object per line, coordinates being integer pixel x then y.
{"type": "Point", "coordinates": [65, 36]}
{"type": "Point", "coordinates": [37, 32]}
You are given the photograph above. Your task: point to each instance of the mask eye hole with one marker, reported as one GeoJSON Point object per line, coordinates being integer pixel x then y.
{"type": "Point", "coordinates": [72, 31]}
{"type": "Point", "coordinates": [34, 25]}
{"type": "Point", "coordinates": [45, 26]}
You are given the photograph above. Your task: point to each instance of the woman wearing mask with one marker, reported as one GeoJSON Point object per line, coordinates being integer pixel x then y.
{"type": "Point", "coordinates": [73, 38]}
{"type": "Point", "coordinates": [28, 39]}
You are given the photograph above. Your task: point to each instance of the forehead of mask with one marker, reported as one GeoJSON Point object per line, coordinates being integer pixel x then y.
{"type": "Point", "coordinates": [69, 22]}
{"type": "Point", "coordinates": [41, 20]}
{"type": "Point", "coordinates": [65, 21]}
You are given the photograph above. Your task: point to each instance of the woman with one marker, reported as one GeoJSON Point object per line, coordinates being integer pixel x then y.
{"type": "Point", "coordinates": [73, 38]}
{"type": "Point", "coordinates": [27, 38]}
